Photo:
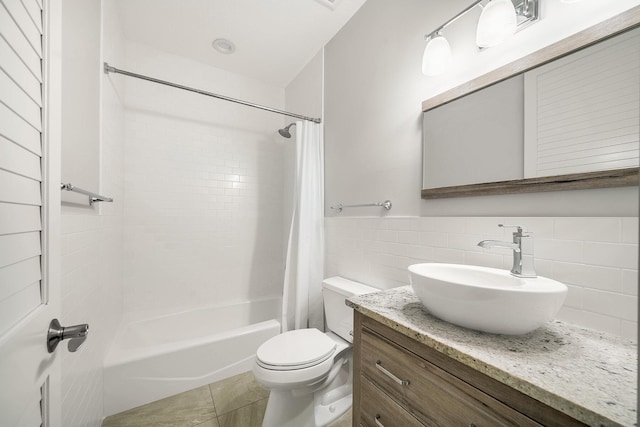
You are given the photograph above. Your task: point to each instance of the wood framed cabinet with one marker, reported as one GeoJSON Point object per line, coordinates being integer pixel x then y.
{"type": "Point", "coordinates": [400, 382]}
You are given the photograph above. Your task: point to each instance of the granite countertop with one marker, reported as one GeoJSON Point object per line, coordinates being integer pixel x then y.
{"type": "Point", "coordinates": [588, 375]}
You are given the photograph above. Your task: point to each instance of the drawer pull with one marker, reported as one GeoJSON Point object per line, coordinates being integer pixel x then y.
{"type": "Point", "coordinates": [390, 375]}
{"type": "Point", "coordinates": [378, 423]}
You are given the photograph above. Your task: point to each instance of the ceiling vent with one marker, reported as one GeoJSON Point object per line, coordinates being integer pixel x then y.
{"type": "Point", "coordinates": [331, 4]}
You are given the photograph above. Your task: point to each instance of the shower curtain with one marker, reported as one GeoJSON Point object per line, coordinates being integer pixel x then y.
{"type": "Point", "coordinates": [304, 270]}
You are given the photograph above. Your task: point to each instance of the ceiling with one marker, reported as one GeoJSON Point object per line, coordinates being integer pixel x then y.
{"type": "Point", "coordinates": [274, 38]}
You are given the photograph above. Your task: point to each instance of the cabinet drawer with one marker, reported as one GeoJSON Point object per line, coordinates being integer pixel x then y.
{"type": "Point", "coordinates": [429, 393]}
{"type": "Point", "coordinates": [377, 409]}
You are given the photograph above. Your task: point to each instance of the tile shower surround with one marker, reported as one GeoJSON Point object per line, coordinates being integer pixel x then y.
{"type": "Point", "coordinates": [203, 189]}
{"type": "Point", "coordinates": [597, 258]}
{"type": "Point", "coordinates": [204, 199]}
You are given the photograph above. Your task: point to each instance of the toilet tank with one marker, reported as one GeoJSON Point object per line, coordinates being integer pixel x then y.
{"type": "Point", "coordinates": [335, 290]}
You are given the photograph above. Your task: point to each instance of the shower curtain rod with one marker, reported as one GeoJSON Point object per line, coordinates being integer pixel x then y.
{"type": "Point", "coordinates": [109, 69]}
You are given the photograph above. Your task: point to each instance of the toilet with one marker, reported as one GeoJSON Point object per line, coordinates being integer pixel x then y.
{"type": "Point", "coordinates": [309, 372]}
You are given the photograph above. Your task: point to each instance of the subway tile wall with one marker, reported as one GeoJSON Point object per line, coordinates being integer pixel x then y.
{"type": "Point", "coordinates": [91, 252]}
{"type": "Point", "coordinates": [203, 189]}
{"type": "Point", "coordinates": [91, 293]}
{"type": "Point", "coordinates": [203, 216]}
{"type": "Point", "coordinates": [597, 258]}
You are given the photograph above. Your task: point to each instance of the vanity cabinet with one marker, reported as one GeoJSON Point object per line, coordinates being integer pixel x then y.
{"type": "Point", "coordinates": [402, 382]}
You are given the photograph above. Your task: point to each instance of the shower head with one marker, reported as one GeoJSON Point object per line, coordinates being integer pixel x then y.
{"type": "Point", "coordinates": [285, 132]}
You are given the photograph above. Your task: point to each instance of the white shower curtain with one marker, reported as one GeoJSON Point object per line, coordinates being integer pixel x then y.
{"type": "Point", "coordinates": [302, 297]}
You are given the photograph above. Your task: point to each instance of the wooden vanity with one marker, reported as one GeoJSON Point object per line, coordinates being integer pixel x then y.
{"type": "Point", "coordinates": [411, 369]}
{"type": "Point", "coordinates": [404, 383]}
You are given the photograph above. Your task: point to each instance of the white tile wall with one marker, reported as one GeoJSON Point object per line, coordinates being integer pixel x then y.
{"type": "Point", "coordinates": [203, 185]}
{"type": "Point", "coordinates": [596, 257]}
{"type": "Point", "coordinates": [92, 253]}
{"type": "Point", "coordinates": [91, 293]}
{"type": "Point", "coordinates": [91, 283]}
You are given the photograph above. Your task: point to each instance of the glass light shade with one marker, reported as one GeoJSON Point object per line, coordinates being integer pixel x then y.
{"type": "Point", "coordinates": [437, 56]}
{"type": "Point", "coordinates": [497, 23]}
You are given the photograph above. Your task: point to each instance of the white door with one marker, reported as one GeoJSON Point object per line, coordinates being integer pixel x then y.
{"type": "Point", "coordinates": [29, 210]}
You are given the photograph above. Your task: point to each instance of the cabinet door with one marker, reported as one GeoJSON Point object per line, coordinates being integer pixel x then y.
{"type": "Point", "coordinates": [432, 395]}
{"type": "Point", "coordinates": [379, 410]}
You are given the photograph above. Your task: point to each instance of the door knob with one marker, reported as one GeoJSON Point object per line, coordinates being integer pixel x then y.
{"type": "Point", "coordinates": [76, 335]}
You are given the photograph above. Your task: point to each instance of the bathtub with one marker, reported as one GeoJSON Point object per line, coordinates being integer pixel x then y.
{"type": "Point", "coordinates": [158, 357]}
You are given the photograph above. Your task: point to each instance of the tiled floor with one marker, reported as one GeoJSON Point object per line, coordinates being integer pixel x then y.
{"type": "Point", "coordinates": [234, 402]}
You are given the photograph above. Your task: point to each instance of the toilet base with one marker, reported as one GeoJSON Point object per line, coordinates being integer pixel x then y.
{"type": "Point", "coordinates": [327, 411]}
{"type": "Point", "coordinates": [286, 410]}
{"type": "Point", "coordinates": [309, 408]}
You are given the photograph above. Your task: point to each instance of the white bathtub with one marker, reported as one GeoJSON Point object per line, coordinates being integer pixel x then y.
{"type": "Point", "coordinates": [162, 356]}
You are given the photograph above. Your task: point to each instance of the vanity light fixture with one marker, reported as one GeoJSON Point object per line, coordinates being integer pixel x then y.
{"type": "Point", "coordinates": [498, 21]}
{"type": "Point", "coordinates": [437, 56]}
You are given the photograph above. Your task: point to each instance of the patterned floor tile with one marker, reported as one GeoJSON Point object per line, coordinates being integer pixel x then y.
{"type": "Point", "coordinates": [187, 409]}
{"type": "Point", "coordinates": [235, 392]}
{"type": "Point", "coordinates": [247, 416]}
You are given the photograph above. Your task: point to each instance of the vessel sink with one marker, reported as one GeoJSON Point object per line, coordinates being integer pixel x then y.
{"type": "Point", "coordinates": [487, 299]}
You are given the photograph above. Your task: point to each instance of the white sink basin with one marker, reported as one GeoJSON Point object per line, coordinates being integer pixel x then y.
{"type": "Point", "coordinates": [486, 299]}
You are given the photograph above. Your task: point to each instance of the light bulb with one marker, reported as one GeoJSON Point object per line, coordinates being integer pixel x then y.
{"type": "Point", "coordinates": [437, 56]}
{"type": "Point", "coordinates": [497, 22]}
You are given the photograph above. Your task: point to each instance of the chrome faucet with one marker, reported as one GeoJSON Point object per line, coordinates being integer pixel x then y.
{"type": "Point", "coordinates": [522, 246]}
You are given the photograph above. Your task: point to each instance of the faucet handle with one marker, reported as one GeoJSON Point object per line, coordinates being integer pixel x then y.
{"type": "Point", "coordinates": [519, 230]}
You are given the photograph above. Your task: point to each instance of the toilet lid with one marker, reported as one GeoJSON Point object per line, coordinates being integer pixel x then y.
{"type": "Point", "coordinates": [297, 349]}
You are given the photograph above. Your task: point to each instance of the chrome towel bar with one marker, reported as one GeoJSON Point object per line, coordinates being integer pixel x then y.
{"type": "Point", "coordinates": [93, 197]}
{"type": "Point", "coordinates": [386, 204]}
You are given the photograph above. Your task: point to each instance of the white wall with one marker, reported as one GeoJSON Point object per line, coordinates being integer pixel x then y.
{"type": "Point", "coordinates": [303, 95]}
{"type": "Point", "coordinates": [374, 91]}
{"type": "Point", "coordinates": [203, 188]}
{"type": "Point", "coordinates": [373, 150]}
{"type": "Point", "coordinates": [91, 236]}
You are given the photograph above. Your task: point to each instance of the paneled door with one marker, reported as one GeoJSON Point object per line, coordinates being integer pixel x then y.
{"type": "Point", "coordinates": [29, 210]}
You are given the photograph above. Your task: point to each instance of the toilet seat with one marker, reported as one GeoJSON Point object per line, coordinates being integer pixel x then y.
{"type": "Point", "coordinates": [291, 377]}
{"type": "Point", "coordinates": [298, 349]}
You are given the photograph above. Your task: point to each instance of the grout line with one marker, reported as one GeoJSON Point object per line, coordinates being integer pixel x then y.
{"type": "Point", "coordinates": [213, 402]}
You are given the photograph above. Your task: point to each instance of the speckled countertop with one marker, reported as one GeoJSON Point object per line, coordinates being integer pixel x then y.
{"type": "Point", "coordinates": [588, 375]}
